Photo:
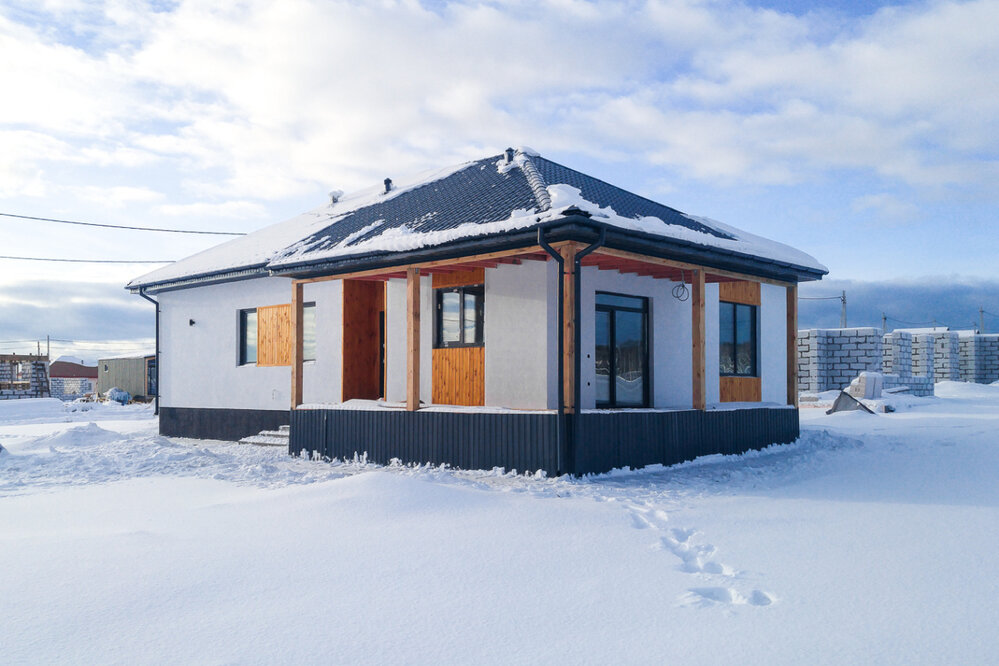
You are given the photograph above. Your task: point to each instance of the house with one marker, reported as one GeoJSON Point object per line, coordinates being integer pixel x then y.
{"type": "Point", "coordinates": [135, 374]}
{"type": "Point", "coordinates": [506, 312]}
{"type": "Point", "coordinates": [71, 378]}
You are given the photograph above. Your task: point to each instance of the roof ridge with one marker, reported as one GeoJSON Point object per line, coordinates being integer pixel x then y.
{"type": "Point", "coordinates": [535, 180]}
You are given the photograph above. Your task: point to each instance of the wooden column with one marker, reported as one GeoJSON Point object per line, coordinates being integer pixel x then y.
{"type": "Point", "coordinates": [697, 337]}
{"type": "Point", "coordinates": [792, 345]}
{"type": "Point", "coordinates": [297, 342]}
{"type": "Point", "coordinates": [569, 325]}
{"type": "Point", "coordinates": [412, 339]}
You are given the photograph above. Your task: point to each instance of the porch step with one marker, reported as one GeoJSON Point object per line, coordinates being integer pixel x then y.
{"type": "Point", "coordinates": [277, 437]}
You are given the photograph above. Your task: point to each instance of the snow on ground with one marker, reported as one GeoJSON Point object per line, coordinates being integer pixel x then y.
{"type": "Point", "coordinates": [873, 539]}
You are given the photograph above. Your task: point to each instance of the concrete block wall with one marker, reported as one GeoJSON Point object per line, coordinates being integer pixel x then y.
{"type": "Point", "coordinates": [922, 355]}
{"type": "Point", "coordinates": [71, 388]}
{"type": "Point", "coordinates": [897, 354]}
{"type": "Point", "coordinates": [829, 359]}
{"type": "Point", "coordinates": [37, 376]}
{"type": "Point", "coordinates": [946, 356]}
{"type": "Point", "coordinates": [979, 358]}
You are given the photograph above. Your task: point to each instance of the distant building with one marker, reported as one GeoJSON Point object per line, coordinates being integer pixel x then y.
{"type": "Point", "coordinates": [135, 374]}
{"type": "Point", "coordinates": [71, 378]}
{"type": "Point", "coordinates": [23, 376]}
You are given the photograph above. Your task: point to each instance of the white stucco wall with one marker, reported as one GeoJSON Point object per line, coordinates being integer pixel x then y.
{"type": "Point", "coordinates": [773, 343]}
{"type": "Point", "coordinates": [517, 335]}
{"type": "Point", "coordinates": [670, 363]}
{"type": "Point", "coordinates": [199, 364]}
{"type": "Point", "coordinates": [395, 340]}
{"type": "Point", "coordinates": [322, 378]}
{"type": "Point", "coordinates": [711, 351]}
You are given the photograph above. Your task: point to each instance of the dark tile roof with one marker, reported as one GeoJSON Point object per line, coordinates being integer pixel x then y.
{"type": "Point", "coordinates": [477, 194]}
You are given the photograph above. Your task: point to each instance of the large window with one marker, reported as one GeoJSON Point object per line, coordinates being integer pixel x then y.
{"type": "Point", "coordinates": [622, 351]}
{"type": "Point", "coordinates": [460, 313]}
{"type": "Point", "coordinates": [247, 336]}
{"type": "Point", "coordinates": [737, 339]}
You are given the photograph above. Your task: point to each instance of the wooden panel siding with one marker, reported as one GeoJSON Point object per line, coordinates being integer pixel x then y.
{"type": "Point", "coordinates": [459, 376]}
{"type": "Point", "coordinates": [363, 300]}
{"type": "Point", "coordinates": [274, 335]}
{"type": "Point", "coordinates": [739, 291]}
{"type": "Point", "coordinates": [740, 389]}
{"type": "Point", "coordinates": [459, 278]}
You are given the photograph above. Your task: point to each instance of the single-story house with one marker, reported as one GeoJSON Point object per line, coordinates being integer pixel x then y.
{"type": "Point", "coordinates": [135, 374]}
{"type": "Point", "coordinates": [71, 378]}
{"type": "Point", "coordinates": [506, 312]}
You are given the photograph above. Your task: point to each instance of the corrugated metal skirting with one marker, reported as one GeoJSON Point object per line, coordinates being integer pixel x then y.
{"type": "Point", "coordinates": [528, 442]}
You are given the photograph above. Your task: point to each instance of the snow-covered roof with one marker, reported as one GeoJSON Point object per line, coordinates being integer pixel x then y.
{"type": "Point", "coordinates": [488, 197]}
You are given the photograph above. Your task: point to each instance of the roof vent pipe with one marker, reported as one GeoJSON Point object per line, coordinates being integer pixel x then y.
{"type": "Point", "coordinates": [335, 196]}
{"type": "Point", "coordinates": [388, 185]}
{"type": "Point", "coordinates": [509, 155]}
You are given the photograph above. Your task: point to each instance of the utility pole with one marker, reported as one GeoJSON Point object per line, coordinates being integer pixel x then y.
{"type": "Point", "coordinates": [981, 319]}
{"type": "Point", "coordinates": [38, 347]}
{"type": "Point", "coordinates": [884, 323]}
{"type": "Point", "coordinates": [842, 313]}
{"type": "Point", "coordinates": [48, 347]}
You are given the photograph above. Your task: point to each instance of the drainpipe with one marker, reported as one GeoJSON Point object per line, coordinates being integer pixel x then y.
{"type": "Point", "coordinates": [156, 406]}
{"type": "Point", "coordinates": [560, 434]}
{"type": "Point", "coordinates": [564, 439]}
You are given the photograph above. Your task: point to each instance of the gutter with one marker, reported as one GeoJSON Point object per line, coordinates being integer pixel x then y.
{"type": "Point", "coordinates": [560, 431]}
{"type": "Point", "coordinates": [142, 292]}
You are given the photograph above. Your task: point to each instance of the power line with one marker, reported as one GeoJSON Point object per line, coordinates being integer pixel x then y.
{"type": "Point", "coordinates": [119, 226]}
{"type": "Point", "coordinates": [820, 298]}
{"type": "Point", "coordinates": [88, 261]}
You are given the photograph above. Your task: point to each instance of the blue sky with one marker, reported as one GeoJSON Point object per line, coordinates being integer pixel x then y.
{"type": "Point", "coordinates": [866, 134]}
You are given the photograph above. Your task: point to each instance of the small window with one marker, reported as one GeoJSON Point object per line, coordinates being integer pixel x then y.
{"type": "Point", "coordinates": [309, 332]}
{"type": "Point", "coordinates": [737, 339]}
{"type": "Point", "coordinates": [247, 337]}
{"type": "Point", "coordinates": [460, 314]}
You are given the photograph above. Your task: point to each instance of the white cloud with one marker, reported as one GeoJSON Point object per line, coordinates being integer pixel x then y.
{"type": "Point", "coordinates": [117, 196]}
{"type": "Point", "coordinates": [231, 209]}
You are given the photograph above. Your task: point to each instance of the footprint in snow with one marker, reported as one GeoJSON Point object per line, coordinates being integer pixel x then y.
{"type": "Point", "coordinates": [712, 596]}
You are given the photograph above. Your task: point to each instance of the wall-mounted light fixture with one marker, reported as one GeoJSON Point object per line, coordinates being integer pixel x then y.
{"type": "Point", "coordinates": [190, 322]}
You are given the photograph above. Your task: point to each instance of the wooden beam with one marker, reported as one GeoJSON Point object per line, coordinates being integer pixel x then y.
{"type": "Point", "coordinates": [792, 345]}
{"type": "Point", "coordinates": [297, 342]}
{"type": "Point", "coordinates": [686, 266]}
{"type": "Point", "coordinates": [569, 325]}
{"type": "Point", "coordinates": [698, 347]}
{"type": "Point", "coordinates": [412, 339]}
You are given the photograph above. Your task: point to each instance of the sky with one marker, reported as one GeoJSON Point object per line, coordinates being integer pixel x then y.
{"type": "Point", "coordinates": [864, 133]}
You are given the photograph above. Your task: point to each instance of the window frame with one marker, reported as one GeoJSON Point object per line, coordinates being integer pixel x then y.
{"type": "Point", "coordinates": [645, 310]}
{"type": "Point", "coordinates": [241, 331]}
{"type": "Point", "coordinates": [479, 337]}
{"type": "Point", "coordinates": [754, 338]}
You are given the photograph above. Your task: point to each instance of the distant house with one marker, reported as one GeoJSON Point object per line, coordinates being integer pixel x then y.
{"type": "Point", "coordinates": [71, 378]}
{"type": "Point", "coordinates": [135, 374]}
{"type": "Point", "coordinates": [507, 312]}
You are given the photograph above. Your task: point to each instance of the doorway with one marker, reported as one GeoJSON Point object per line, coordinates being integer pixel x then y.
{"type": "Point", "coordinates": [363, 339]}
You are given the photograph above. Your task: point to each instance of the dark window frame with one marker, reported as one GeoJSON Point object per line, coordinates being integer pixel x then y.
{"type": "Point", "coordinates": [645, 311]}
{"type": "Point", "coordinates": [754, 338]}
{"type": "Point", "coordinates": [480, 309]}
{"type": "Point", "coordinates": [241, 328]}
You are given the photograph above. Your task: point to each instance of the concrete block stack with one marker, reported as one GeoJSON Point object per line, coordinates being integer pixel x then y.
{"type": "Point", "coordinates": [979, 357]}
{"type": "Point", "coordinates": [829, 359]}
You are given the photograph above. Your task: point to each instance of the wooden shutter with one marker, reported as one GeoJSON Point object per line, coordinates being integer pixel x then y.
{"type": "Point", "coordinates": [274, 335]}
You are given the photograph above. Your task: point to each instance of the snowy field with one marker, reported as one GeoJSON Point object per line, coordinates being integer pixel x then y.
{"type": "Point", "coordinates": [873, 539]}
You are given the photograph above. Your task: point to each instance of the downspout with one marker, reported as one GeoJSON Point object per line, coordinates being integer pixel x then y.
{"type": "Point", "coordinates": [578, 342]}
{"type": "Point", "coordinates": [564, 439]}
{"type": "Point", "coordinates": [142, 292]}
{"type": "Point", "coordinates": [560, 434]}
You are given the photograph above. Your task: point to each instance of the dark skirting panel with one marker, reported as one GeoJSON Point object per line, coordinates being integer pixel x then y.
{"type": "Point", "coordinates": [225, 424]}
{"type": "Point", "coordinates": [529, 442]}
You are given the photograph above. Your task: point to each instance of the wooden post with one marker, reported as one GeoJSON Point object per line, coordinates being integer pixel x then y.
{"type": "Point", "coordinates": [792, 345]}
{"type": "Point", "coordinates": [698, 347]}
{"type": "Point", "coordinates": [412, 339]}
{"type": "Point", "coordinates": [569, 325]}
{"type": "Point", "coordinates": [297, 342]}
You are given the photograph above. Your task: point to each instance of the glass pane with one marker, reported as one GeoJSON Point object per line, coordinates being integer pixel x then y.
{"type": "Point", "coordinates": [603, 357]}
{"type": "Point", "coordinates": [617, 300]}
{"type": "Point", "coordinates": [726, 338]}
{"type": "Point", "coordinates": [309, 333]}
{"type": "Point", "coordinates": [471, 301]}
{"type": "Point", "coordinates": [745, 342]}
{"type": "Point", "coordinates": [250, 337]}
{"type": "Point", "coordinates": [450, 316]}
{"type": "Point", "coordinates": [629, 358]}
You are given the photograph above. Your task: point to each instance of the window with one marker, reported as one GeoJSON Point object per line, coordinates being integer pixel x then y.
{"type": "Point", "coordinates": [460, 313]}
{"type": "Point", "coordinates": [247, 337]}
{"type": "Point", "coordinates": [622, 351]}
{"type": "Point", "coordinates": [309, 332]}
{"type": "Point", "coordinates": [737, 339]}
